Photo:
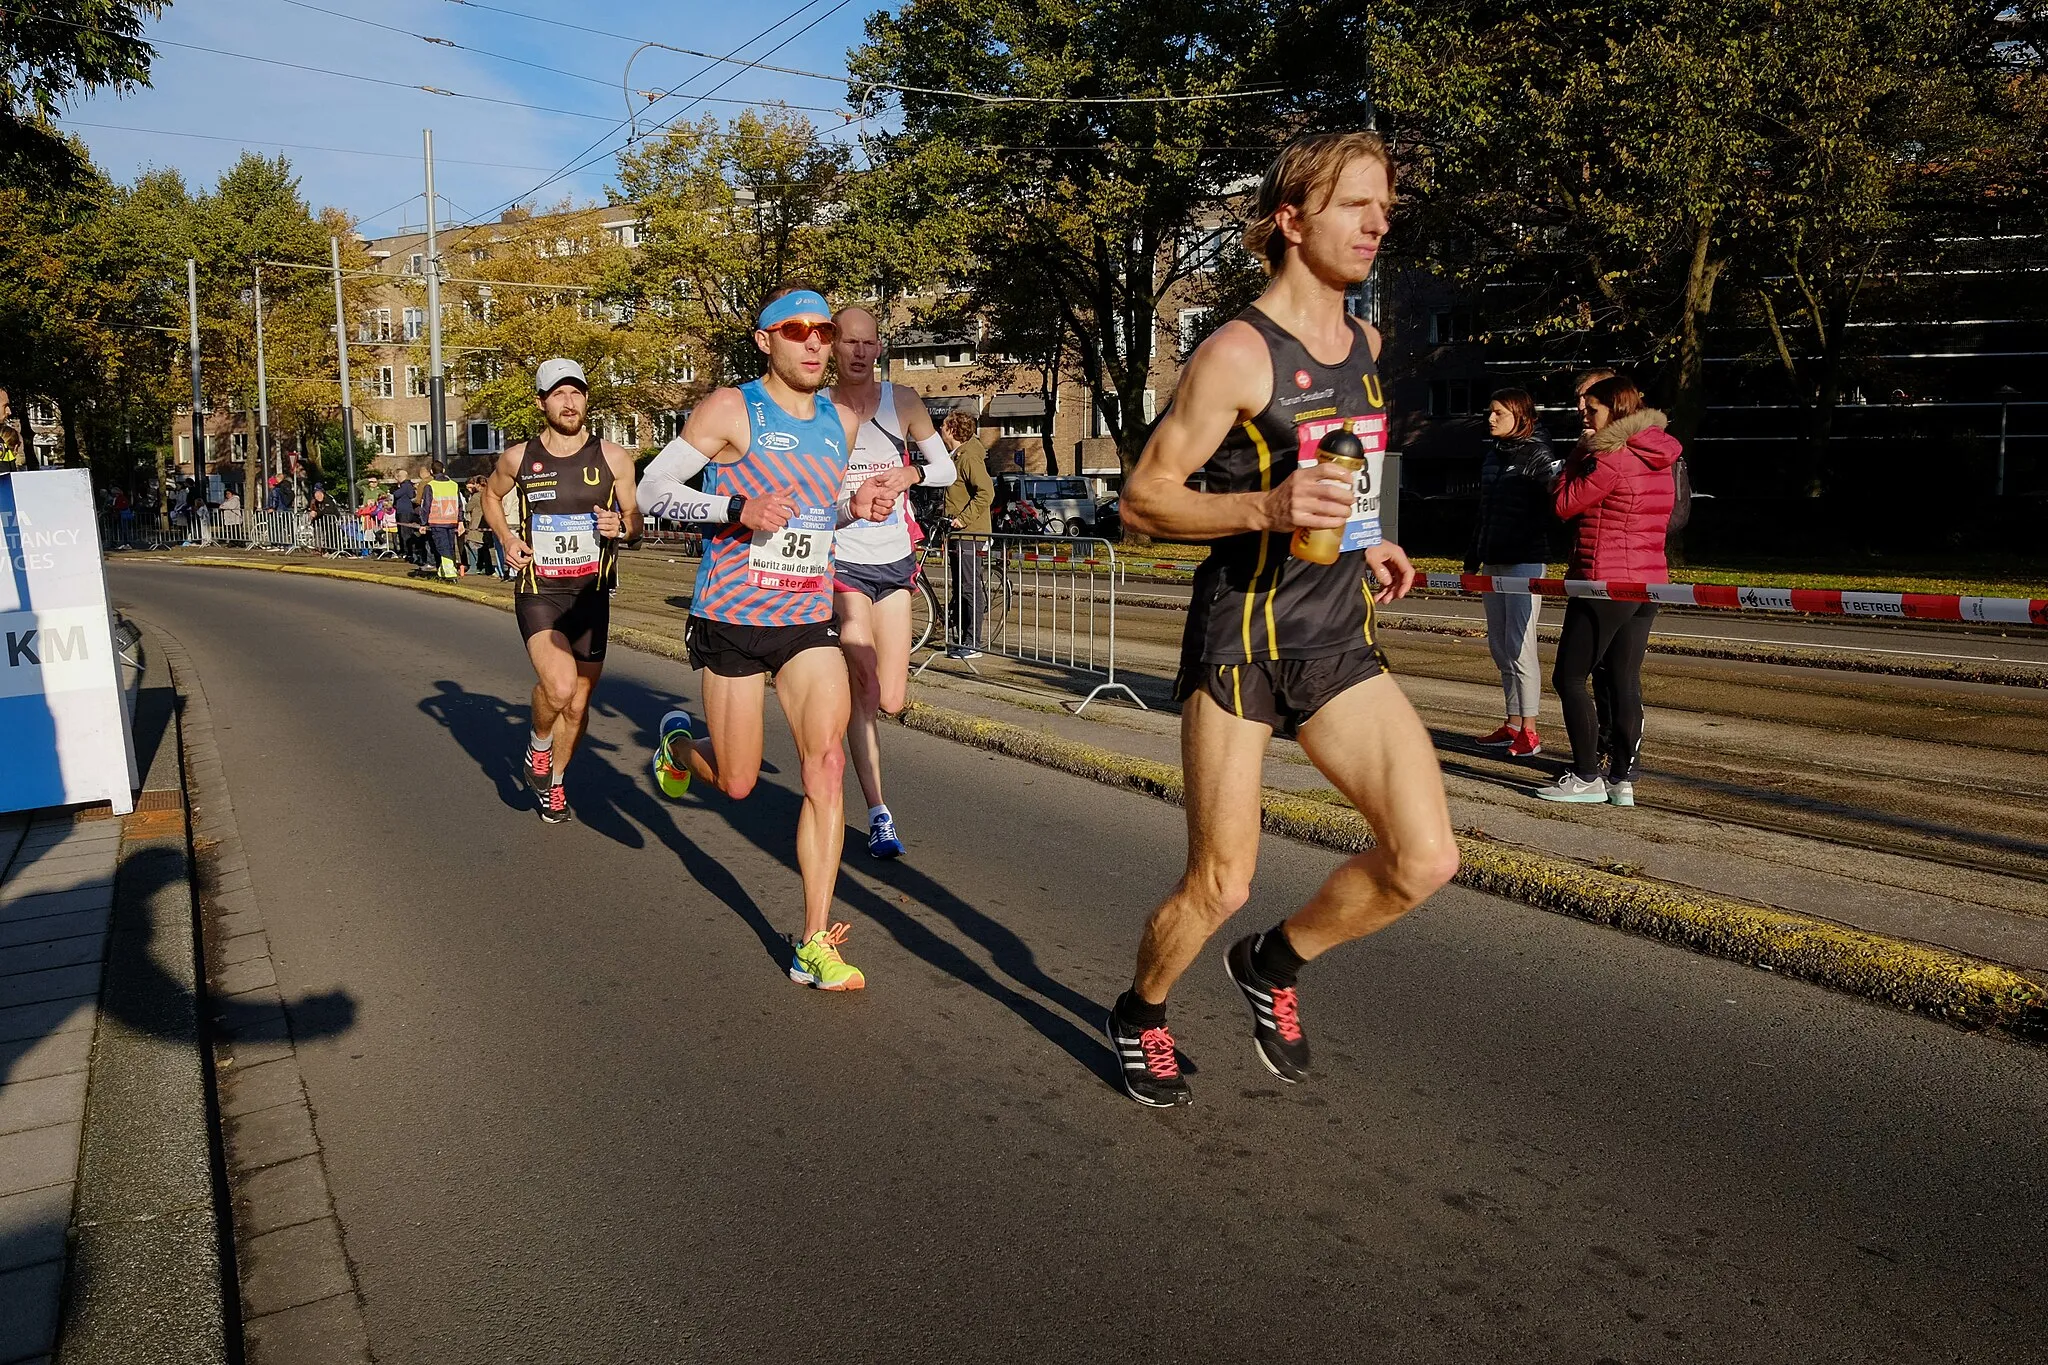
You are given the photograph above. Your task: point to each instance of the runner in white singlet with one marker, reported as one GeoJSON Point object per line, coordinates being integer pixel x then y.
{"type": "Point", "coordinates": [876, 561]}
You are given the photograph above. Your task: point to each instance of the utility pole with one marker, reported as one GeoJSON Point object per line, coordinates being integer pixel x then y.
{"type": "Point", "coordinates": [262, 385]}
{"type": "Point", "coordinates": [437, 394]}
{"type": "Point", "coordinates": [348, 413]}
{"type": "Point", "coordinates": [198, 399]}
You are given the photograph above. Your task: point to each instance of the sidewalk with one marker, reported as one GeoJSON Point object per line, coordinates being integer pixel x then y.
{"type": "Point", "coordinates": [109, 1244]}
{"type": "Point", "coordinates": [56, 901]}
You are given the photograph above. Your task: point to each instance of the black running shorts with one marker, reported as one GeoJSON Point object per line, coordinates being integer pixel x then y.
{"type": "Point", "coordinates": [1282, 693]}
{"type": "Point", "coordinates": [584, 617]}
{"type": "Point", "coordinates": [876, 581]}
{"type": "Point", "coordinates": [733, 651]}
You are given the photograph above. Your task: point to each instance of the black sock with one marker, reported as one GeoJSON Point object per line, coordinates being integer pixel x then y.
{"type": "Point", "coordinates": [1138, 1013]}
{"type": "Point", "coordinates": [1274, 958]}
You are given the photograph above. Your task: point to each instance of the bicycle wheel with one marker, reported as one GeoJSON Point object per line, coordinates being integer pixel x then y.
{"type": "Point", "coordinates": [925, 613]}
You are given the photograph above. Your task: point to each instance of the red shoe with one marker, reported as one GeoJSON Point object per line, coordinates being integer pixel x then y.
{"type": "Point", "coordinates": [1501, 738]}
{"type": "Point", "coordinates": [1526, 744]}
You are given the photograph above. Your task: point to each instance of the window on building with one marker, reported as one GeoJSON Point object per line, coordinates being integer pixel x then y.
{"type": "Point", "coordinates": [42, 413]}
{"type": "Point", "coordinates": [1105, 405]}
{"type": "Point", "coordinates": [416, 264]}
{"type": "Point", "coordinates": [416, 439]}
{"type": "Point", "coordinates": [481, 438]}
{"type": "Point", "coordinates": [623, 234]}
{"type": "Point", "coordinates": [957, 355]}
{"type": "Point", "coordinates": [1362, 301]}
{"type": "Point", "coordinates": [380, 382]}
{"type": "Point", "coordinates": [1028, 428]}
{"type": "Point", "coordinates": [239, 445]}
{"type": "Point", "coordinates": [917, 360]}
{"type": "Point", "coordinates": [1450, 398]}
{"type": "Point", "coordinates": [448, 436]}
{"type": "Point", "coordinates": [1206, 252]}
{"type": "Point", "coordinates": [626, 431]}
{"type": "Point", "coordinates": [376, 325]}
{"type": "Point", "coordinates": [378, 437]}
{"type": "Point", "coordinates": [479, 254]}
{"type": "Point", "coordinates": [415, 381]}
{"type": "Point", "coordinates": [185, 448]}
{"type": "Point", "coordinates": [1151, 406]}
{"type": "Point", "coordinates": [1449, 326]}
{"type": "Point", "coordinates": [1194, 325]}
{"type": "Point", "coordinates": [415, 323]}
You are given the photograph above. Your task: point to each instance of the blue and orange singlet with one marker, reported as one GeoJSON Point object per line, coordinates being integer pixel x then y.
{"type": "Point", "coordinates": [778, 578]}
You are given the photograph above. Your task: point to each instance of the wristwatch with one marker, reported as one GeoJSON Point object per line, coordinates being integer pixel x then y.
{"type": "Point", "coordinates": [735, 507]}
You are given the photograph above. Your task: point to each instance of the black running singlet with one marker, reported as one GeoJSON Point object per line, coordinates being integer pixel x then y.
{"type": "Point", "coordinates": [1252, 599]}
{"type": "Point", "coordinates": [558, 501]}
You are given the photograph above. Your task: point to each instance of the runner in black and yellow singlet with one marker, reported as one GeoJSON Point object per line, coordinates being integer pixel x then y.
{"type": "Point", "coordinates": [576, 502]}
{"type": "Point", "coordinates": [1253, 601]}
{"type": "Point", "coordinates": [1280, 643]}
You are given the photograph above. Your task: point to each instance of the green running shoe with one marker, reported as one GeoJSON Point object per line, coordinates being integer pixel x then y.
{"type": "Point", "coordinates": [671, 776]}
{"type": "Point", "coordinates": [816, 962]}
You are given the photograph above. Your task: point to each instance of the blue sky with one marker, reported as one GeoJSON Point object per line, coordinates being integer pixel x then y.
{"type": "Point", "coordinates": [259, 105]}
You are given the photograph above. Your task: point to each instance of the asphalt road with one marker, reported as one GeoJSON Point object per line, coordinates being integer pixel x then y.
{"type": "Point", "coordinates": [582, 1115]}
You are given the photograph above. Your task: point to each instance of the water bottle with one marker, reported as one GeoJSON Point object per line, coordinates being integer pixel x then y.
{"type": "Point", "coordinates": [1339, 449]}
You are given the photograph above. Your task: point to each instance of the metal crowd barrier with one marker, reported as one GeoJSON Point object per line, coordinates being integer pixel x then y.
{"type": "Point", "coordinates": [333, 537]}
{"type": "Point", "coordinates": [1035, 599]}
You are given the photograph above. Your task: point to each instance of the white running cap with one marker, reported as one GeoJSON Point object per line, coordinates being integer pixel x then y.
{"type": "Point", "coordinates": [558, 371]}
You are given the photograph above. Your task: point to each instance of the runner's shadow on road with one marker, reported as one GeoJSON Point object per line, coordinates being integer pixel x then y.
{"type": "Point", "coordinates": [491, 730]}
{"type": "Point", "coordinates": [767, 818]}
{"type": "Point", "coordinates": [616, 804]}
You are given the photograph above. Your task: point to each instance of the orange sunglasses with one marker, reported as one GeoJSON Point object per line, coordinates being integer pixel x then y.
{"type": "Point", "coordinates": [800, 332]}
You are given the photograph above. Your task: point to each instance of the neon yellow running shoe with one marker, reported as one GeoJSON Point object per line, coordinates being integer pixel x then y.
{"type": "Point", "coordinates": [670, 775]}
{"type": "Point", "coordinates": [817, 963]}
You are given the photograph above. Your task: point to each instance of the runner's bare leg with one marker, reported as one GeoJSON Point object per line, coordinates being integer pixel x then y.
{"type": "Point", "coordinates": [1221, 755]}
{"type": "Point", "coordinates": [1375, 750]}
{"type": "Point", "coordinates": [815, 698]}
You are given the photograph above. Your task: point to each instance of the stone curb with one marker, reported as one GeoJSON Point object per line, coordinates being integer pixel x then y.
{"type": "Point", "coordinates": [299, 1297]}
{"type": "Point", "coordinates": [1966, 991]}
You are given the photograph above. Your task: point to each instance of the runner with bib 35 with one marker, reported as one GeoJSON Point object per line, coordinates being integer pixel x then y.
{"type": "Point", "coordinates": [773, 453]}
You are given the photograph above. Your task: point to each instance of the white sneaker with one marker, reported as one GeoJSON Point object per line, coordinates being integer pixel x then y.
{"type": "Point", "coordinates": [1621, 793]}
{"type": "Point", "coordinates": [1570, 787]}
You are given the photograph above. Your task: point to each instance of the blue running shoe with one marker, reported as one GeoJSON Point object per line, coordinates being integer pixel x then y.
{"type": "Point", "coordinates": [670, 773]}
{"type": "Point", "coordinates": [882, 840]}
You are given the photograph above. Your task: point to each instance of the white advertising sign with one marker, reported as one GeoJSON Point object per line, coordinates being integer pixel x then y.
{"type": "Point", "coordinates": [62, 709]}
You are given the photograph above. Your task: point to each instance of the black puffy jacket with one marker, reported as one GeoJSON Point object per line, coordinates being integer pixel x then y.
{"type": "Point", "coordinates": [1515, 517]}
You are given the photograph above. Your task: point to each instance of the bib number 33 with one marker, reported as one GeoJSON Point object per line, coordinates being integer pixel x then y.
{"type": "Point", "coordinates": [797, 558]}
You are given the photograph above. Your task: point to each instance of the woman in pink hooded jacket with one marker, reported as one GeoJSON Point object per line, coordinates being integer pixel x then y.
{"type": "Point", "coordinates": [1616, 492]}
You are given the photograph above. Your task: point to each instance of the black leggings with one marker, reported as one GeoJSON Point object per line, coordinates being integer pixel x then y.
{"type": "Point", "coordinates": [1612, 637]}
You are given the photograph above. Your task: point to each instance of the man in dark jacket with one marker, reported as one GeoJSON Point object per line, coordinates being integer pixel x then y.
{"type": "Point", "coordinates": [405, 508]}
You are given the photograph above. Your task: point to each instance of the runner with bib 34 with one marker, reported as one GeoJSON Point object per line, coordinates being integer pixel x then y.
{"type": "Point", "coordinates": [576, 502]}
{"type": "Point", "coordinates": [773, 454]}
{"type": "Point", "coordinates": [1284, 412]}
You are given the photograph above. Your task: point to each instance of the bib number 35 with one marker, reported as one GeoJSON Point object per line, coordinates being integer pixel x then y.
{"type": "Point", "coordinates": [797, 558]}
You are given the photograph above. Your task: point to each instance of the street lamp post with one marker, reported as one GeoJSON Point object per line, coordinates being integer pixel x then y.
{"type": "Point", "coordinates": [2006, 393]}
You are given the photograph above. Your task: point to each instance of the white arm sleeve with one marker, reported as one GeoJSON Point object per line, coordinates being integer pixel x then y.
{"type": "Point", "coordinates": [939, 469]}
{"type": "Point", "coordinates": [665, 491]}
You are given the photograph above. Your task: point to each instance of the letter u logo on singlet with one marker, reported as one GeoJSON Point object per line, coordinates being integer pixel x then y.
{"type": "Point", "coordinates": [1373, 393]}
{"type": "Point", "coordinates": [592, 477]}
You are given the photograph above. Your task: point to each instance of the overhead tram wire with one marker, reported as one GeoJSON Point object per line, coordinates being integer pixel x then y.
{"type": "Point", "coordinates": [370, 80]}
{"type": "Point", "coordinates": [578, 163]}
{"type": "Point", "coordinates": [976, 96]}
{"type": "Point", "coordinates": [445, 42]}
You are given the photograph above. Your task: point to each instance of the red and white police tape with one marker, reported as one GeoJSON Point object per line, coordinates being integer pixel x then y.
{"type": "Point", "coordinates": [1897, 606]}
